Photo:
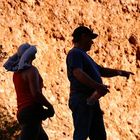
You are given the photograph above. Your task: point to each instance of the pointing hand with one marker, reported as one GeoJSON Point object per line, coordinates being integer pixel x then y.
{"type": "Point", "coordinates": [125, 73]}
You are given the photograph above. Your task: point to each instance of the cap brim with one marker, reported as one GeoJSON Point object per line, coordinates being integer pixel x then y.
{"type": "Point", "coordinates": [94, 35]}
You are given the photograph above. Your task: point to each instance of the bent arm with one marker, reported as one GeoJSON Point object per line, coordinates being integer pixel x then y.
{"type": "Point", "coordinates": [85, 79]}
{"type": "Point", "coordinates": [33, 78]}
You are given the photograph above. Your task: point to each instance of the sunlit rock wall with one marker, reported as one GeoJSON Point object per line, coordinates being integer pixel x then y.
{"type": "Point", "coordinates": [49, 25]}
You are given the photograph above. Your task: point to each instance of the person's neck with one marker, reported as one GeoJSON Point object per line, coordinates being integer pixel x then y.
{"type": "Point", "coordinates": [80, 46]}
{"type": "Point", "coordinates": [30, 62]}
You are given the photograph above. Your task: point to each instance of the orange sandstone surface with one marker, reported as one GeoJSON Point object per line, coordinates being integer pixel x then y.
{"type": "Point", "coordinates": [49, 25]}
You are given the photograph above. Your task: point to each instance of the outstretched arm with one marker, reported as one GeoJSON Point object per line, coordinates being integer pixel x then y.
{"type": "Point", "coordinates": [108, 72]}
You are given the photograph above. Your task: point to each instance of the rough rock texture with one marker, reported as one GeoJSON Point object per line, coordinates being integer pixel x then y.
{"type": "Point", "coordinates": [49, 25]}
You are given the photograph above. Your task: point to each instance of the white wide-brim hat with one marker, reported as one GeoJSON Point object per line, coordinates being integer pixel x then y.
{"type": "Point", "coordinates": [20, 59]}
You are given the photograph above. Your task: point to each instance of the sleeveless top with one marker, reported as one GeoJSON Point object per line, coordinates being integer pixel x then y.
{"type": "Point", "coordinates": [24, 96]}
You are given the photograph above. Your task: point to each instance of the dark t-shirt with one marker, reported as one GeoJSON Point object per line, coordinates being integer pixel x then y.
{"type": "Point", "coordinates": [77, 58]}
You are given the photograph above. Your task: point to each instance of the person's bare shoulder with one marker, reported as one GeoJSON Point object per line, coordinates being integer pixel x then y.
{"type": "Point", "coordinates": [30, 72]}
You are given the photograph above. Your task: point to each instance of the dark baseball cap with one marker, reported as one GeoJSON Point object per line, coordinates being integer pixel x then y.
{"type": "Point", "coordinates": [84, 30]}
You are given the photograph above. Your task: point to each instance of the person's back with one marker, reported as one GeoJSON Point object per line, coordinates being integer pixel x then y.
{"type": "Point", "coordinates": [23, 91]}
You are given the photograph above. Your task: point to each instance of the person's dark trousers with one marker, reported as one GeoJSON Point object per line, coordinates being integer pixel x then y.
{"type": "Point", "coordinates": [31, 125]}
{"type": "Point", "coordinates": [88, 120]}
{"type": "Point", "coordinates": [32, 131]}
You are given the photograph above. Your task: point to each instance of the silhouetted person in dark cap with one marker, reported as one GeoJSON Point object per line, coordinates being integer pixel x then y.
{"type": "Point", "coordinates": [86, 87]}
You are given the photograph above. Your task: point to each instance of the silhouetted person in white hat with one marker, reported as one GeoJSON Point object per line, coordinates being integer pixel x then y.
{"type": "Point", "coordinates": [86, 87]}
{"type": "Point", "coordinates": [30, 100]}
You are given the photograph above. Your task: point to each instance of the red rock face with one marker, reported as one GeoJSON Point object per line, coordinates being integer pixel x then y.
{"type": "Point", "coordinates": [49, 25]}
